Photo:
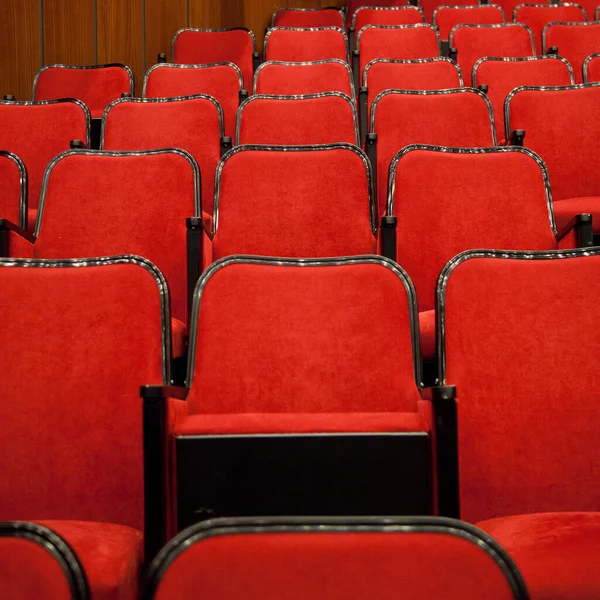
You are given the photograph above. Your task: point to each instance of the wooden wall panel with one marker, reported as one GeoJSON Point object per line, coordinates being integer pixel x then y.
{"type": "Point", "coordinates": [257, 17]}
{"type": "Point", "coordinates": [163, 19]}
{"type": "Point", "coordinates": [69, 32]}
{"type": "Point", "coordinates": [120, 35]}
{"type": "Point", "coordinates": [19, 47]}
{"type": "Point", "coordinates": [206, 15]}
{"type": "Point", "coordinates": [232, 13]}
{"type": "Point", "coordinates": [304, 3]}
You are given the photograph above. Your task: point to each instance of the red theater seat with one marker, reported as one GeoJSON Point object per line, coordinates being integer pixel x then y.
{"type": "Point", "coordinates": [96, 86]}
{"type": "Point", "coordinates": [561, 125]}
{"type": "Point", "coordinates": [310, 558]}
{"type": "Point", "coordinates": [13, 189]}
{"type": "Point", "coordinates": [73, 361]}
{"type": "Point", "coordinates": [591, 69]}
{"type": "Point", "coordinates": [297, 120]}
{"type": "Point", "coordinates": [429, 6]}
{"type": "Point", "coordinates": [308, 17]}
{"type": "Point", "coordinates": [223, 81]}
{"type": "Point", "coordinates": [36, 562]}
{"type": "Point", "coordinates": [445, 18]}
{"type": "Point", "coordinates": [353, 5]}
{"type": "Point", "coordinates": [304, 44]}
{"type": "Point", "coordinates": [525, 412]}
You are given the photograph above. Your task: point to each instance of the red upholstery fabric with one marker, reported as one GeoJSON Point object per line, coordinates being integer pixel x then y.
{"type": "Point", "coordinates": [223, 82]}
{"type": "Point", "coordinates": [447, 17]}
{"type": "Point", "coordinates": [37, 133]}
{"type": "Point", "coordinates": [29, 572]}
{"type": "Point", "coordinates": [353, 5]}
{"type": "Point", "coordinates": [125, 204]}
{"type": "Point", "coordinates": [72, 365]}
{"type": "Point", "coordinates": [536, 16]}
{"type": "Point", "coordinates": [179, 335]}
{"type": "Point", "coordinates": [550, 119]}
{"type": "Point", "coordinates": [303, 339]}
{"type": "Point", "coordinates": [96, 87]}
{"type": "Point", "coordinates": [427, 333]}
{"type": "Point", "coordinates": [502, 75]}
{"type": "Point", "coordinates": [11, 188]}
{"type": "Point", "coordinates": [465, 206]}
{"type": "Point", "coordinates": [592, 68]}
{"type": "Point", "coordinates": [565, 210]}
{"type": "Point", "coordinates": [304, 203]}
{"type": "Point", "coordinates": [336, 566]}
{"type": "Point", "coordinates": [459, 118]}
{"type": "Point", "coordinates": [396, 15]}
{"type": "Point", "coordinates": [332, 75]}
{"type": "Point", "coordinates": [302, 44]}
{"type": "Point", "coordinates": [429, 6]}
{"type": "Point", "coordinates": [203, 46]}
{"type": "Point", "coordinates": [399, 42]}
{"type": "Point", "coordinates": [558, 554]}
{"type": "Point", "coordinates": [527, 411]}
{"type": "Point", "coordinates": [111, 555]}
{"type": "Point", "coordinates": [575, 41]}
{"type": "Point", "coordinates": [473, 42]}
{"type": "Point", "coordinates": [298, 17]}
{"type": "Point", "coordinates": [308, 120]}
{"type": "Point", "coordinates": [192, 124]}
{"type": "Point", "coordinates": [419, 74]}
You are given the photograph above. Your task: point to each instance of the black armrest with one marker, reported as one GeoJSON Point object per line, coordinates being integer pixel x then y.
{"type": "Point", "coordinates": [226, 145]}
{"type": "Point", "coordinates": [158, 392]}
{"type": "Point", "coordinates": [356, 69]}
{"type": "Point", "coordinates": [517, 137]}
{"type": "Point", "coordinates": [243, 95]}
{"type": "Point", "coordinates": [351, 40]}
{"type": "Point", "coordinates": [388, 236]}
{"type": "Point", "coordinates": [582, 224]}
{"type": "Point", "coordinates": [5, 227]}
{"type": "Point", "coordinates": [371, 150]}
{"type": "Point", "coordinates": [195, 233]}
{"type": "Point", "coordinates": [483, 88]}
{"type": "Point", "coordinates": [446, 439]}
{"type": "Point", "coordinates": [162, 58]}
{"type": "Point", "coordinates": [452, 54]}
{"type": "Point", "coordinates": [363, 105]}
{"type": "Point", "coordinates": [255, 60]}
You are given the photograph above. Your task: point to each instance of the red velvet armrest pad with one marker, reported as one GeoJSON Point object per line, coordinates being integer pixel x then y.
{"type": "Point", "coordinates": [19, 247]}
{"type": "Point", "coordinates": [274, 423]}
{"type": "Point", "coordinates": [179, 334]}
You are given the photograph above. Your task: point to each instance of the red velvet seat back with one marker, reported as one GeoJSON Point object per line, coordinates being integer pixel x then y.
{"type": "Point", "coordinates": [591, 68]}
{"type": "Point", "coordinates": [522, 345]}
{"type": "Point", "coordinates": [473, 42]}
{"type": "Point", "coordinates": [96, 86]}
{"type": "Point", "coordinates": [460, 118]}
{"type": "Point", "coordinates": [222, 81]}
{"type": "Point", "coordinates": [79, 337]}
{"type": "Point", "coordinates": [294, 201]}
{"type": "Point", "coordinates": [37, 563]}
{"type": "Point", "coordinates": [37, 132]}
{"type": "Point", "coordinates": [305, 44]}
{"type": "Point", "coordinates": [392, 15]}
{"type": "Point", "coordinates": [466, 205]}
{"type": "Point", "coordinates": [575, 42]}
{"type": "Point", "coordinates": [400, 42]}
{"type": "Point", "coordinates": [502, 75]}
{"type": "Point", "coordinates": [320, 558]}
{"type": "Point", "coordinates": [353, 5]}
{"type": "Point", "coordinates": [308, 17]}
{"type": "Point", "coordinates": [294, 78]}
{"type": "Point", "coordinates": [203, 46]}
{"type": "Point", "coordinates": [537, 16]}
{"type": "Point", "coordinates": [303, 337]}
{"type": "Point", "coordinates": [13, 189]}
{"type": "Point", "coordinates": [101, 203]}
{"type": "Point", "coordinates": [297, 120]}
{"type": "Point", "coordinates": [447, 17]}
{"type": "Point", "coordinates": [429, 6]}
{"type": "Point", "coordinates": [193, 123]}
{"type": "Point", "coordinates": [563, 126]}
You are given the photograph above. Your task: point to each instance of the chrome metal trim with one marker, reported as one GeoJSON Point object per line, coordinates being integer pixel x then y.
{"type": "Point", "coordinates": [470, 6]}
{"type": "Point", "coordinates": [387, 8]}
{"type": "Point", "coordinates": [538, 88]}
{"type": "Point", "coordinates": [597, 13]}
{"type": "Point", "coordinates": [204, 30]}
{"type": "Point", "coordinates": [238, 120]}
{"type": "Point", "coordinates": [442, 282]}
{"type": "Point", "coordinates": [84, 108]}
{"type": "Point", "coordinates": [84, 68]}
{"type": "Point", "coordinates": [463, 90]}
{"type": "Point", "coordinates": [309, 148]}
{"type": "Point", "coordinates": [281, 28]}
{"type": "Point", "coordinates": [104, 153]}
{"type": "Point", "coordinates": [23, 185]}
{"type": "Point", "coordinates": [335, 525]}
{"type": "Point", "coordinates": [521, 59]}
{"type": "Point", "coordinates": [161, 101]}
{"type": "Point", "coordinates": [308, 63]}
{"type": "Point", "coordinates": [319, 9]}
{"type": "Point", "coordinates": [568, 23]}
{"type": "Point", "coordinates": [159, 278]}
{"type": "Point", "coordinates": [495, 26]}
{"type": "Point", "coordinates": [449, 150]}
{"type": "Point", "coordinates": [586, 62]}
{"type": "Point", "coordinates": [535, 5]}
{"type": "Point", "coordinates": [415, 26]}
{"type": "Point", "coordinates": [308, 262]}
{"type": "Point", "coordinates": [186, 66]}
{"type": "Point", "coordinates": [413, 61]}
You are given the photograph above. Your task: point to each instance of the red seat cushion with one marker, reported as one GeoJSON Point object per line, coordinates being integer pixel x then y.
{"type": "Point", "coordinates": [427, 332]}
{"type": "Point", "coordinates": [111, 555]}
{"type": "Point", "coordinates": [31, 217]}
{"type": "Point", "coordinates": [179, 336]}
{"type": "Point", "coordinates": [565, 210]}
{"type": "Point", "coordinates": [558, 554]}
